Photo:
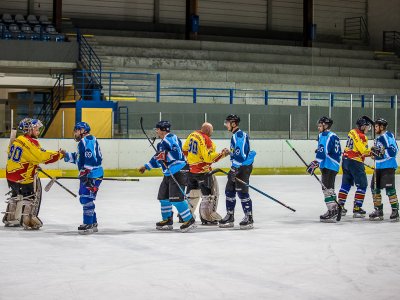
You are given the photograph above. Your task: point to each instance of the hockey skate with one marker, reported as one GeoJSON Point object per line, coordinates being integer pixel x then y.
{"type": "Point", "coordinates": [358, 212]}
{"type": "Point", "coordinates": [344, 211]}
{"type": "Point", "coordinates": [247, 222]}
{"type": "Point", "coordinates": [227, 221]}
{"type": "Point", "coordinates": [95, 227]}
{"type": "Point", "coordinates": [188, 225]}
{"type": "Point", "coordinates": [329, 216]}
{"type": "Point", "coordinates": [86, 229]}
{"type": "Point", "coordinates": [394, 215]}
{"type": "Point", "coordinates": [166, 224]}
{"type": "Point", "coordinates": [377, 215]}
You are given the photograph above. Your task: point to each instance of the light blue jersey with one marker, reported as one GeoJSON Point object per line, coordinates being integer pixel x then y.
{"type": "Point", "coordinates": [388, 142]}
{"type": "Point", "coordinates": [88, 156]}
{"type": "Point", "coordinates": [241, 155]}
{"type": "Point", "coordinates": [329, 151]}
{"type": "Point", "coordinates": [175, 160]}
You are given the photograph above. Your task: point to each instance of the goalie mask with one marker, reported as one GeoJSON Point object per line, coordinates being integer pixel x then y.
{"type": "Point", "coordinates": [33, 127]}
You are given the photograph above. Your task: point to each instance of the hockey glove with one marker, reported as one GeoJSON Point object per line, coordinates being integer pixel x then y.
{"type": "Point", "coordinates": [161, 155]}
{"type": "Point", "coordinates": [233, 173]}
{"type": "Point", "coordinates": [90, 185]}
{"type": "Point", "coordinates": [84, 173]}
{"type": "Point", "coordinates": [378, 151]}
{"type": "Point", "coordinates": [312, 166]}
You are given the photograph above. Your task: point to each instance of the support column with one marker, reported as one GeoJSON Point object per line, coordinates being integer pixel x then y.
{"type": "Point", "coordinates": [156, 16]}
{"type": "Point", "coordinates": [308, 17]}
{"type": "Point", "coordinates": [57, 14]}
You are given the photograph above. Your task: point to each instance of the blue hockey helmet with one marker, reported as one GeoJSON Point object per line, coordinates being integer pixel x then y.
{"type": "Point", "coordinates": [381, 121]}
{"type": "Point", "coordinates": [82, 125]}
{"type": "Point", "coordinates": [164, 126]}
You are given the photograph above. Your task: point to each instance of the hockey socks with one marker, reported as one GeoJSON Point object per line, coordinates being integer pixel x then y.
{"type": "Point", "coordinates": [230, 201]}
{"type": "Point", "coordinates": [183, 210]}
{"type": "Point", "coordinates": [166, 209]}
{"type": "Point", "coordinates": [394, 203]}
{"type": "Point", "coordinates": [330, 198]}
{"type": "Point", "coordinates": [359, 197]}
{"type": "Point", "coordinates": [246, 203]}
{"type": "Point", "coordinates": [89, 216]}
{"type": "Point", "coordinates": [344, 191]}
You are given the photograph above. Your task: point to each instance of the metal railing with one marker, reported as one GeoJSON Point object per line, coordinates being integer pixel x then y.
{"type": "Point", "coordinates": [391, 41]}
{"type": "Point", "coordinates": [52, 102]}
{"type": "Point", "coordinates": [356, 28]}
{"type": "Point", "coordinates": [90, 62]}
{"type": "Point", "coordinates": [120, 86]}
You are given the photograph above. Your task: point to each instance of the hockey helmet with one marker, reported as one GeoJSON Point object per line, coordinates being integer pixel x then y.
{"type": "Point", "coordinates": [164, 126]}
{"type": "Point", "coordinates": [325, 120]}
{"type": "Point", "coordinates": [233, 118]}
{"type": "Point", "coordinates": [82, 125]}
{"type": "Point", "coordinates": [364, 121]}
{"type": "Point", "coordinates": [381, 121]}
{"type": "Point", "coordinates": [27, 124]}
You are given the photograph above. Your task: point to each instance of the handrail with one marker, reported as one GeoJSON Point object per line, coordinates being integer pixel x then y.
{"type": "Point", "coordinates": [356, 28]}
{"type": "Point", "coordinates": [391, 41]}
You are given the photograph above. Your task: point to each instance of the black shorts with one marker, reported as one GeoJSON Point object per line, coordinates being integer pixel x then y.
{"type": "Point", "coordinates": [385, 179]}
{"type": "Point", "coordinates": [354, 173]}
{"type": "Point", "coordinates": [328, 178]}
{"type": "Point", "coordinates": [243, 174]}
{"type": "Point", "coordinates": [200, 181]}
{"type": "Point", "coordinates": [170, 190]}
{"type": "Point", "coordinates": [20, 189]}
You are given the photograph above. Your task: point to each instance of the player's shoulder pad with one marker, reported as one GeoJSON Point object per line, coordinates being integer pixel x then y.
{"type": "Point", "coordinates": [239, 134]}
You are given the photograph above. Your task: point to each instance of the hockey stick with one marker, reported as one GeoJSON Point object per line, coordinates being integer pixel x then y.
{"type": "Point", "coordinates": [163, 162]}
{"type": "Point", "coordinates": [252, 187]}
{"type": "Point", "coordinates": [52, 181]}
{"type": "Point", "coordinates": [50, 184]}
{"type": "Point", "coordinates": [339, 215]}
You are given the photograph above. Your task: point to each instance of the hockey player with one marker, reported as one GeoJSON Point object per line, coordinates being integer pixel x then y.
{"type": "Point", "coordinates": [170, 158]}
{"type": "Point", "coordinates": [242, 164]}
{"type": "Point", "coordinates": [328, 160]}
{"type": "Point", "coordinates": [200, 151]}
{"type": "Point", "coordinates": [24, 156]}
{"type": "Point", "coordinates": [88, 158]}
{"type": "Point", "coordinates": [384, 151]}
{"type": "Point", "coordinates": [353, 168]}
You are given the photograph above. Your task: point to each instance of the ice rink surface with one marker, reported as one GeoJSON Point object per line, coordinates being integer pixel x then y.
{"type": "Point", "coordinates": [287, 256]}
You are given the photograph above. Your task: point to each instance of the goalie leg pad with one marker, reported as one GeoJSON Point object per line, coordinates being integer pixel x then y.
{"type": "Point", "coordinates": [194, 198]}
{"type": "Point", "coordinates": [208, 208]}
{"type": "Point", "coordinates": [29, 219]}
{"type": "Point", "coordinates": [13, 212]}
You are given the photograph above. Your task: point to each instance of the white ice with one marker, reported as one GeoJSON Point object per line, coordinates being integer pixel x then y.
{"type": "Point", "coordinates": [287, 256]}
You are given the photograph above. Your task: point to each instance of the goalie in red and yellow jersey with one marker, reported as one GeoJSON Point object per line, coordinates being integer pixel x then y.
{"type": "Point", "coordinates": [24, 156]}
{"type": "Point", "coordinates": [200, 151]}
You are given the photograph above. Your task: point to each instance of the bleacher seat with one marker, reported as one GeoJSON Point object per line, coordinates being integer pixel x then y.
{"type": "Point", "coordinates": [44, 20]}
{"type": "Point", "coordinates": [7, 19]}
{"type": "Point", "coordinates": [29, 33]}
{"type": "Point", "coordinates": [19, 19]}
{"type": "Point", "coordinates": [32, 20]}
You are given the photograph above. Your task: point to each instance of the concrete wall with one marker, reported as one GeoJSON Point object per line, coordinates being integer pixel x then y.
{"type": "Point", "coordinates": [39, 51]}
{"type": "Point", "coordinates": [382, 16]}
{"type": "Point", "coordinates": [133, 153]}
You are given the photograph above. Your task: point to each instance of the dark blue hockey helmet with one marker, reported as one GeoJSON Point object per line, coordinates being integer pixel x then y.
{"type": "Point", "coordinates": [325, 120]}
{"type": "Point", "coordinates": [364, 121]}
{"type": "Point", "coordinates": [381, 121]}
{"type": "Point", "coordinates": [82, 125]}
{"type": "Point", "coordinates": [164, 126]}
{"type": "Point", "coordinates": [233, 118]}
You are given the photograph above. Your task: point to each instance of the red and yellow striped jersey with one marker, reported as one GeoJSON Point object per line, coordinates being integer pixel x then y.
{"type": "Point", "coordinates": [200, 152]}
{"type": "Point", "coordinates": [24, 156]}
{"type": "Point", "coordinates": [356, 146]}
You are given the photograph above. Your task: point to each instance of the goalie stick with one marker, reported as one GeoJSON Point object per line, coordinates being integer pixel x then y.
{"type": "Point", "coordinates": [163, 162]}
{"type": "Point", "coordinates": [52, 181]}
{"type": "Point", "coordinates": [252, 187]}
{"type": "Point", "coordinates": [339, 215]}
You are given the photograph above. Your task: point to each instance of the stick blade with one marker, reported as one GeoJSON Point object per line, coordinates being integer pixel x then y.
{"type": "Point", "coordinates": [50, 184]}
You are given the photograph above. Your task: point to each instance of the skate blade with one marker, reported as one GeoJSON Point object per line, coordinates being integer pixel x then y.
{"type": "Point", "coordinates": [246, 227]}
{"type": "Point", "coordinates": [329, 220]}
{"type": "Point", "coordinates": [227, 225]}
{"type": "Point", "coordinates": [165, 227]}
{"type": "Point", "coordinates": [12, 225]}
{"type": "Point", "coordinates": [95, 229]}
{"type": "Point", "coordinates": [190, 228]}
{"type": "Point", "coordinates": [376, 219]}
{"type": "Point", "coordinates": [394, 220]}
{"type": "Point", "coordinates": [358, 216]}
{"type": "Point", "coordinates": [31, 228]}
{"type": "Point", "coordinates": [343, 214]}
{"type": "Point", "coordinates": [85, 232]}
